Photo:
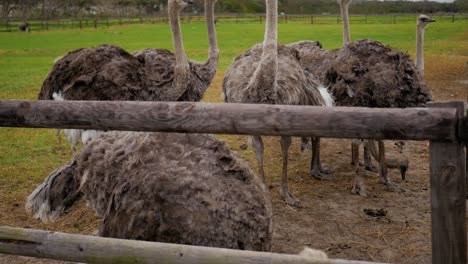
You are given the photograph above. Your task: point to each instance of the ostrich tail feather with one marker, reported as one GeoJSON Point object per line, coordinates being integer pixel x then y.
{"type": "Point", "coordinates": [57, 193]}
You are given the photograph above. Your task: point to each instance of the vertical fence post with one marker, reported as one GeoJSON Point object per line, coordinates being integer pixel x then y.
{"type": "Point", "coordinates": [394, 19]}
{"type": "Point", "coordinates": [95, 23]}
{"type": "Point", "coordinates": [448, 194]}
{"type": "Point", "coordinates": [312, 19]}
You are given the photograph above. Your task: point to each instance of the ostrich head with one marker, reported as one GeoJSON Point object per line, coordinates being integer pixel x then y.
{"type": "Point", "coordinates": [403, 167]}
{"type": "Point", "coordinates": [404, 163]}
{"type": "Point", "coordinates": [424, 20]}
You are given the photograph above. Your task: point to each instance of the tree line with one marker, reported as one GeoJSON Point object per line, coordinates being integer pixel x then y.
{"type": "Point", "coordinates": [129, 8]}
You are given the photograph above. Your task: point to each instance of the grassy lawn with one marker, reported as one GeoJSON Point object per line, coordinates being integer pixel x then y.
{"type": "Point", "coordinates": [28, 155]}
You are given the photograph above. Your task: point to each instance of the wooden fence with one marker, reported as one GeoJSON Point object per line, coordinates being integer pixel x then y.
{"type": "Point", "coordinates": [444, 124]}
{"type": "Point", "coordinates": [37, 24]}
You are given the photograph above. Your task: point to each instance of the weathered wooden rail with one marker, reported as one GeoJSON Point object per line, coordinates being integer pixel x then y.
{"type": "Point", "coordinates": [90, 249]}
{"type": "Point", "coordinates": [444, 124]}
{"type": "Point", "coordinates": [275, 120]}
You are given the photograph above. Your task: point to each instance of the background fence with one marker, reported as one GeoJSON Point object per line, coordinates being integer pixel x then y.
{"type": "Point", "coordinates": [11, 24]}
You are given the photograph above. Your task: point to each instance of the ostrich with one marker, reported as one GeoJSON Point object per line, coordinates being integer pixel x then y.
{"type": "Point", "coordinates": [108, 72]}
{"type": "Point", "coordinates": [156, 61]}
{"type": "Point", "coordinates": [366, 73]}
{"type": "Point", "coordinates": [270, 73]}
{"type": "Point", "coordinates": [24, 26]}
{"type": "Point", "coordinates": [165, 187]}
{"type": "Point", "coordinates": [421, 24]}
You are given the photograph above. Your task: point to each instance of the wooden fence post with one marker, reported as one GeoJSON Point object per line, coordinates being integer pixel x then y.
{"type": "Point", "coordinates": [312, 19]}
{"type": "Point", "coordinates": [81, 24]}
{"type": "Point", "coordinates": [95, 23]}
{"type": "Point", "coordinates": [448, 194]}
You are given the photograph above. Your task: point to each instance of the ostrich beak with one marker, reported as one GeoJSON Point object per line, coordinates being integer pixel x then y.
{"type": "Point", "coordinates": [190, 2]}
{"type": "Point", "coordinates": [403, 173]}
{"type": "Point", "coordinates": [432, 20]}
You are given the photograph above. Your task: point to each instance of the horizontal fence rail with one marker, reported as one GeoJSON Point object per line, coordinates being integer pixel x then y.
{"type": "Point", "coordinates": [445, 124]}
{"type": "Point", "coordinates": [336, 122]}
{"type": "Point", "coordinates": [38, 24]}
{"type": "Point", "coordinates": [90, 249]}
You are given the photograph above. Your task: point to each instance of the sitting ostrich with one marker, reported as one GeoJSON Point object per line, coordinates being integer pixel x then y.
{"type": "Point", "coordinates": [108, 72]}
{"type": "Point", "coordinates": [24, 26]}
{"type": "Point", "coordinates": [366, 73]}
{"type": "Point", "coordinates": [270, 73]}
{"type": "Point", "coordinates": [165, 187]}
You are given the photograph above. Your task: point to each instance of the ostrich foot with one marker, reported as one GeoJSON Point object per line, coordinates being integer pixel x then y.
{"type": "Point", "coordinates": [289, 198]}
{"type": "Point", "coordinates": [359, 189]}
{"type": "Point", "coordinates": [393, 187]}
{"type": "Point", "coordinates": [369, 167]}
{"type": "Point", "coordinates": [322, 174]}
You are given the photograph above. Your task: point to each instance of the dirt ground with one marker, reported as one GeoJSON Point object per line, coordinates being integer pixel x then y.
{"type": "Point", "coordinates": [331, 218]}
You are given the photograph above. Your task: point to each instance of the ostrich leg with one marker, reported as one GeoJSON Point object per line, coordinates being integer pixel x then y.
{"type": "Point", "coordinates": [257, 144]}
{"type": "Point", "coordinates": [368, 158]}
{"type": "Point", "coordinates": [316, 169]}
{"type": "Point", "coordinates": [284, 188]}
{"type": "Point", "coordinates": [358, 184]}
{"type": "Point", "coordinates": [383, 173]}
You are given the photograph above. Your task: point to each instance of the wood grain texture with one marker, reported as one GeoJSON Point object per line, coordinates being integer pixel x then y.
{"type": "Point", "coordinates": [334, 122]}
{"type": "Point", "coordinates": [448, 195]}
{"type": "Point", "coordinates": [448, 206]}
{"type": "Point", "coordinates": [90, 249]}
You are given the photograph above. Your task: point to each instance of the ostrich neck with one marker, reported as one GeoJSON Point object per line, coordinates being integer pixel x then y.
{"type": "Point", "coordinates": [265, 75]}
{"type": "Point", "coordinates": [213, 55]}
{"type": "Point", "coordinates": [420, 50]}
{"type": "Point", "coordinates": [182, 67]}
{"type": "Point", "coordinates": [345, 16]}
{"type": "Point", "coordinates": [181, 58]}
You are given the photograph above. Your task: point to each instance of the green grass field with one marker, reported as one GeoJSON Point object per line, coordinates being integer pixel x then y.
{"type": "Point", "coordinates": [28, 155]}
{"type": "Point", "coordinates": [25, 60]}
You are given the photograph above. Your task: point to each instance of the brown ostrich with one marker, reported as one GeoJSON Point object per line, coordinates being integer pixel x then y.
{"type": "Point", "coordinates": [198, 75]}
{"type": "Point", "coordinates": [270, 73]}
{"type": "Point", "coordinates": [108, 72]}
{"type": "Point", "coordinates": [366, 73]}
{"type": "Point", "coordinates": [24, 26]}
{"type": "Point", "coordinates": [165, 187]}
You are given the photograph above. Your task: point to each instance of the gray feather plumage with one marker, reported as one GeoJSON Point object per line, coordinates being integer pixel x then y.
{"type": "Point", "coordinates": [178, 188]}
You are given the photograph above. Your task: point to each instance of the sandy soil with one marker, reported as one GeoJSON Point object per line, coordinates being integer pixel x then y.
{"type": "Point", "coordinates": [331, 218]}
